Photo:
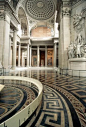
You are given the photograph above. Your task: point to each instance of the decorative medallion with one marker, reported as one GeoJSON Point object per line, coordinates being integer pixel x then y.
{"type": "Point", "coordinates": [40, 9]}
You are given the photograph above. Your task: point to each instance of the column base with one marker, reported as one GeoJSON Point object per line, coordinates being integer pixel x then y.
{"type": "Point", "coordinates": [14, 67]}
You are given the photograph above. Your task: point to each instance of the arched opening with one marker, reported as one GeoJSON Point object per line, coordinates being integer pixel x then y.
{"type": "Point", "coordinates": [23, 32]}
{"type": "Point", "coordinates": [23, 22]}
{"type": "Point", "coordinates": [42, 29]}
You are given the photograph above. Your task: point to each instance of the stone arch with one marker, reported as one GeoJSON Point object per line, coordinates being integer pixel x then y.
{"type": "Point", "coordinates": [23, 21]}
{"type": "Point", "coordinates": [43, 26]}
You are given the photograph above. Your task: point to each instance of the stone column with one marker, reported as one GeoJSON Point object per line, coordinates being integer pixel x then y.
{"type": "Point", "coordinates": [9, 52]}
{"type": "Point", "coordinates": [37, 56]}
{"type": "Point", "coordinates": [4, 39]}
{"type": "Point", "coordinates": [14, 48]}
{"type": "Point", "coordinates": [19, 55]}
{"type": "Point", "coordinates": [45, 56]}
{"type": "Point", "coordinates": [55, 52]}
{"type": "Point", "coordinates": [64, 36]}
{"type": "Point", "coordinates": [28, 55]}
{"type": "Point", "coordinates": [85, 27]}
{"type": "Point", "coordinates": [22, 59]}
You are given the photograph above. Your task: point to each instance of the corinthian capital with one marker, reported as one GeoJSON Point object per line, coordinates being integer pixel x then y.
{"type": "Point", "coordinates": [2, 14]}
{"type": "Point", "coordinates": [66, 11]}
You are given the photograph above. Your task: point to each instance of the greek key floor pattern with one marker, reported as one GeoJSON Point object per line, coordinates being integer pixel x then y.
{"type": "Point", "coordinates": [64, 100]}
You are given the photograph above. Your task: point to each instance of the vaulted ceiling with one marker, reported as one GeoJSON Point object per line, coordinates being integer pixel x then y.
{"type": "Point", "coordinates": [41, 9]}
{"type": "Point", "coordinates": [39, 12]}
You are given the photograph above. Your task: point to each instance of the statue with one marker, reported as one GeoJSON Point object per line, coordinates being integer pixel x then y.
{"type": "Point", "coordinates": [84, 50]}
{"type": "Point", "coordinates": [77, 49]}
{"type": "Point", "coordinates": [70, 51]}
{"type": "Point", "coordinates": [77, 19]}
{"type": "Point", "coordinates": [79, 44]}
{"type": "Point", "coordinates": [74, 49]}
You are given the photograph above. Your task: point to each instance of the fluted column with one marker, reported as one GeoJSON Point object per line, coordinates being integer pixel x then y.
{"type": "Point", "coordinates": [28, 55]}
{"type": "Point", "coordinates": [55, 52]}
{"type": "Point", "coordinates": [64, 36]}
{"type": "Point", "coordinates": [14, 48]}
{"type": "Point", "coordinates": [45, 56]}
{"type": "Point", "coordinates": [9, 52]}
{"type": "Point", "coordinates": [85, 27]}
{"type": "Point", "coordinates": [4, 38]}
{"type": "Point", "coordinates": [22, 59]}
{"type": "Point", "coordinates": [37, 56]}
{"type": "Point", "coordinates": [19, 55]}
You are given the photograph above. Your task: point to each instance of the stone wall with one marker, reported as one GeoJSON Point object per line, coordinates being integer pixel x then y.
{"type": "Point", "coordinates": [78, 20]}
{"type": "Point", "coordinates": [72, 20]}
{"type": "Point", "coordinates": [41, 32]}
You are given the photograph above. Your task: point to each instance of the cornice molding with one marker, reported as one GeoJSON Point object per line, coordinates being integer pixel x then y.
{"type": "Point", "coordinates": [6, 7]}
{"type": "Point", "coordinates": [76, 3]}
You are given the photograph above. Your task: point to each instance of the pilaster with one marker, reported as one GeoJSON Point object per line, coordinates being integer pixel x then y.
{"type": "Point", "coordinates": [5, 26]}
{"type": "Point", "coordinates": [14, 48]}
{"type": "Point", "coordinates": [45, 56]}
{"type": "Point", "coordinates": [2, 17]}
{"type": "Point", "coordinates": [65, 13]}
{"type": "Point", "coordinates": [28, 55]}
{"type": "Point", "coordinates": [38, 56]}
{"type": "Point", "coordinates": [19, 54]}
{"type": "Point", "coordinates": [55, 53]}
{"type": "Point", "coordinates": [9, 52]}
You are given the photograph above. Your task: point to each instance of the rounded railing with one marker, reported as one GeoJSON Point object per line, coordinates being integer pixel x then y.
{"type": "Point", "coordinates": [19, 118]}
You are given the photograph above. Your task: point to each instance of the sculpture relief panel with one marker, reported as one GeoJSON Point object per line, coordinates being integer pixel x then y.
{"type": "Point", "coordinates": [77, 48]}
{"type": "Point", "coordinates": [78, 23]}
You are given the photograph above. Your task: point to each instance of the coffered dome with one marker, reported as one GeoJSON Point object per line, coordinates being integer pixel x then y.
{"type": "Point", "coordinates": [40, 9]}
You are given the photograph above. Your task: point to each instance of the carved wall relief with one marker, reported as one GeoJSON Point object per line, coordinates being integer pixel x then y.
{"type": "Point", "coordinates": [78, 22]}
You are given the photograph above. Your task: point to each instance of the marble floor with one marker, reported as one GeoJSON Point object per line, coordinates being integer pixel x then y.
{"type": "Point", "coordinates": [15, 96]}
{"type": "Point", "coordinates": [64, 99]}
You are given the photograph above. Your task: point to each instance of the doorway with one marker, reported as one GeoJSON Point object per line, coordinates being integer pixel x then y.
{"type": "Point", "coordinates": [42, 58]}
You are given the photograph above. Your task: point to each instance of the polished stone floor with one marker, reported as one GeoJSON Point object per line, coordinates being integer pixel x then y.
{"type": "Point", "coordinates": [15, 96]}
{"type": "Point", "coordinates": [64, 99]}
